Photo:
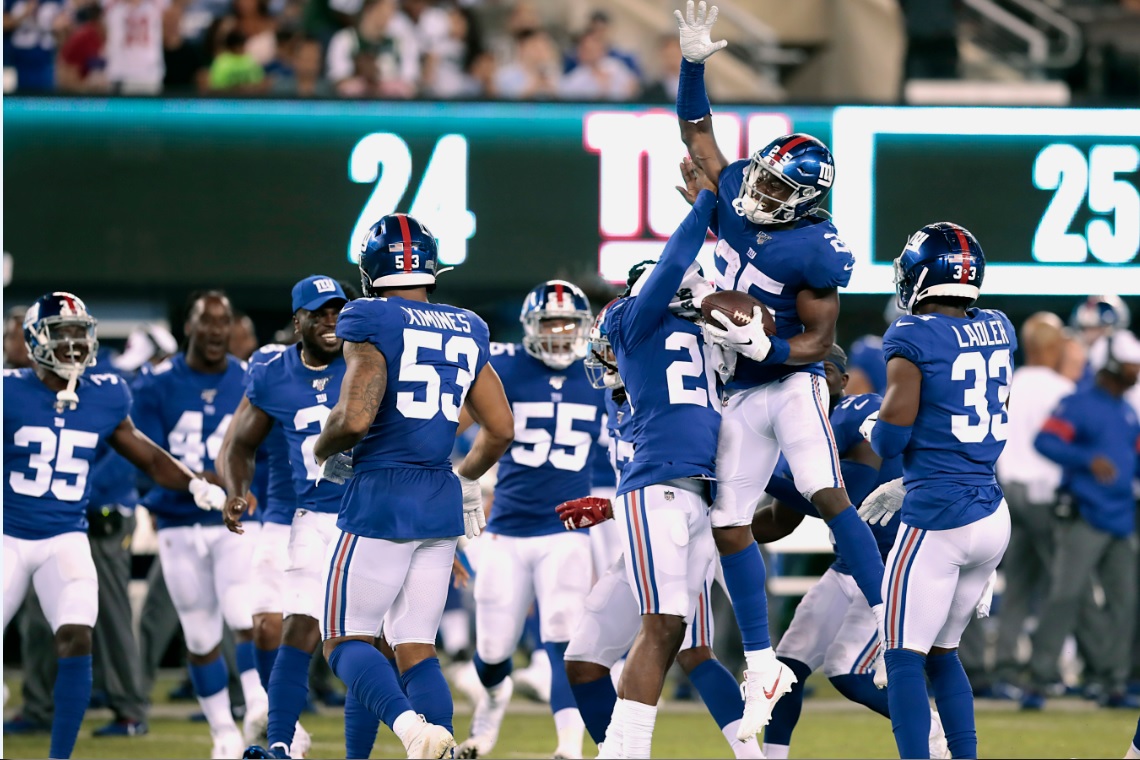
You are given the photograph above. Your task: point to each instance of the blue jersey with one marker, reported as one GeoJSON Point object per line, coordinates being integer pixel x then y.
{"type": "Point", "coordinates": [773, 266]}
{"type": "Point", "coordinates": [846, 418]}
{"type": "Point", "coordinates": [299, 400]}
{"type": "Point", "coordinates": [403, 487]}
{"type": "Point", "coordinates": [558, 420]}
{"type": "Point", "coordinates": [668, 375]}
{"type": "Point", "coordinates": [48, 454]}
{"type": "Point", "coordinates": [619, 428]}
{"type": "Point", "coordinates": [187, 413]}
{"type": "Point", "coordinates": [114, 480]}
{"type": "Point", "coordinates": [274, 472]}
{"type": "Point", "coordinates": [601, 468]}
{"type": "Point", "coordinates": [866, 354]}
{"type": "Point", "coordinates": [961, 428]}
{"type": "Point", "coordinates": [30, 47]}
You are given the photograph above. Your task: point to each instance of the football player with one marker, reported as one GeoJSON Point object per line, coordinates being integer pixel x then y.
{"type": "Point", "coordinates": [558, 418]}
{"type": "Point", "coordinates": [55, 418]}
{"type": "Point", "coordinates": [948, 373]}
{"type": "Point", "coordinates": [772, 246]}
{"type": "Point", "coordinates": [294, 391]}
{"type": "Point", "coordinates": [411, 366]}
{"type": "Point", "coordinates": [611, 621]}
{"type": "Point", "coordinates": [833, 627]}
{"type": "Point", "coordinates": [671, 382]}
{"type": "Point", "coordinates": [1133, 752]}
{"type": "Point", "coordinates": [1091, 320]}
{"type": "Point", "coordinates": [186, 404]}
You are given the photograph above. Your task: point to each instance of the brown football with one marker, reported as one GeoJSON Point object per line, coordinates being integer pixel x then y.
{"type": "Point", "coordinates": [737, 306]}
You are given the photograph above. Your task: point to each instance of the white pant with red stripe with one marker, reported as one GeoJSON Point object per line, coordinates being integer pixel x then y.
{"type": "Point", "coordinates": [270, 557]}
{"type": "Point", "coordinates": [934, 580]}
{"type": "Point", "coordinates": [833, 628]}
{"type": "Point", "coordinates": [669, 546]}
{"type": "Point", "coordinates": [607, 630]}
{"type": "Point", "coordinates": [513, 572]}
{"type": "Point", "coordinates": [788, 416]}
{"type": "Point", "coordinates": [374, 582]}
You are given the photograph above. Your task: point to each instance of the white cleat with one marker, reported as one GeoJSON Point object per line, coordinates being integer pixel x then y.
{"type": "Point", "coordinates": [227, 744]}
{"type": "Point", "coordinates": [256, 722]}
{"type": "Point", "coordinates": [465, 679]}
{"type": "Point", "coordinates": [880, 679]}
{"type": "Point", "coordinates": [567, 753]}
{"type": "Point", "coordinates": [761, 690]}
{"type": "Point", "coordinates": [487, 720]}
{"type": "Point", "coordinates": [302, 742]}
{"type": "Point", "coordinates": [428, 740]}
{"type": "Point", "coordinates": [938, 747]}
{"type": "Point", "coordinates": [534, 681]}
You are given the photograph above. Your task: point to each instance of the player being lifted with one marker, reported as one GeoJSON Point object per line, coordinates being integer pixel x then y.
{"type": "Point", "coordinates": [186, 404]}
{"type": "Point", "coordinates": [558, 417]}
{"type": "Point", "coordinates": [411, 366]}
{"type": "Point", "coordinates": [54, 420]}
{"type": "Point", "coordinates": [294, 391]}
{"type": "Point", "coordinates": [774, 248]}
{"type": "Point", "coordinates": [948, 373]}
{"type": "Point", "coordinates": [663, 515]}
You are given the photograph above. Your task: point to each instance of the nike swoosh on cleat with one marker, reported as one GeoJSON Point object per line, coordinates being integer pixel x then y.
{"type": "Point", "coordinates": [769, 694]}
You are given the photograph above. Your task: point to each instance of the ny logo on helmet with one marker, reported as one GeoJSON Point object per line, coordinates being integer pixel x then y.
{"type": "Point", "coordinates": [826, 174]}
{"type": "Point", "coordinates": [916, 241]}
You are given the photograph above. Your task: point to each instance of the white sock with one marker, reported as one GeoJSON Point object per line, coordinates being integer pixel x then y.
{"type": "Point", "coordinates": [252, 689]}
{"type": "Point", "coordinates": [571, 729]}
{"type": "Point", "coordinates": [760, 659]}
{"type": "Point", "coordinates": [776, 751]}
{"type": "Point", "coordinates": [217, 710]}
{"type": "Point", "coordinates": [615, 731]}
{"type": "Point", "coordinates": [749, 750]}
{"type": "Point", "coordinates": [454, 631]}
{"type": "Point", "coordinates": [639, 721]}
{"type": "Point", "coordinates": [1133, 753]}
{"type": "Point", "coordinates": [404, 725]}
{"type": "Point", "coordinates": [539, 659]}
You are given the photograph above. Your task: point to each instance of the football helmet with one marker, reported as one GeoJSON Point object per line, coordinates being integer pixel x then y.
{"type": "Point", "coordinates": [1101, 312]}
{"type": "Point", "coordinates": [601, 364]}
{"type": "Point", "coordinates": [799, 162]}
{"type": "Point", "coordinates": [941, 259]}
{"type": "Point", "coordinates": [556, 301]}
{"type": "Point", "coordinates": [398, 251]}
{"type": "Point", "coordinates": [60, 321]}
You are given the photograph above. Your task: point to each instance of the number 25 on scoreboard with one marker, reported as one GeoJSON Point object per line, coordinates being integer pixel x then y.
{"type": "Point", "coordinates": [440, 201]}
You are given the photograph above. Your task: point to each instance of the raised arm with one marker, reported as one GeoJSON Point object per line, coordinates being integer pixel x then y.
{"type": "Point", "coordinates": [248, 429]}
{"type": "Point", "coordinates": [693, 109]}
{"type": "Point", "coordinates": [361, 391]}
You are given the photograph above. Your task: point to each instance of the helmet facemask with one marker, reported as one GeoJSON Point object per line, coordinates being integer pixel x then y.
{"type": "Point", "coordinates": [751, 200]}
{"type": "Point", "coordinates": [65, 346]}
{"type": "Point", "coordinates": [601, 363]}
{"type": "Point", "coordinates": [556, 340]}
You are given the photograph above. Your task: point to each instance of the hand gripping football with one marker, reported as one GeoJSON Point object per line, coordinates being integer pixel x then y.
{"type": "Point", "coordinates": [737, 306]}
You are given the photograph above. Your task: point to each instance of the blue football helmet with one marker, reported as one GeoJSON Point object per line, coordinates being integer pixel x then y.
{"type": "Point", "coordinates": [1108, 313]}
{"type": "Point", "coordinates": [601, 364]}
{"type": "Point", "coordinates": [398, 251]}
{"type": "Point", "coordinates": [60, 334]}
{"type": "Point", "coordinates": [798, 162]}
{"type": "Point", "coordinates": [566, 311]}
{"type": "Point", "coordinates": [941, 259]}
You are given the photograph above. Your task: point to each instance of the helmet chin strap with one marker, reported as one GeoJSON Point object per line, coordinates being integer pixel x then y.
{"type": "Point", "coordinates": [68, 397]}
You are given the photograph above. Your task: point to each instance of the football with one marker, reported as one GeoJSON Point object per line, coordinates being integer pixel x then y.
{"type": "Point", "coordinates": [738, 307]}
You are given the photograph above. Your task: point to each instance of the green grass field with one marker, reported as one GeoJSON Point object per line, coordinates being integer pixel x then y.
{"type": "Point", "coordinates": [830, 727]}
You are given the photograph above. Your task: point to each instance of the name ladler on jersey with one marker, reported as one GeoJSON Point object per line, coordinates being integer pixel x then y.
{"type": "Point", "coordinates": [989, 333]}
{"type": "Point", "coordinates": [443, 320]}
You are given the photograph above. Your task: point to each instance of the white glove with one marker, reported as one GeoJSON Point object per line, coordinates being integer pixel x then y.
{"type": "Point", "coordinates": [206, 495]}
{"type": "Point", "coordinates": [748, 340]}
{"type": "Point", "coordinates": [336, 469]}
{"type": "Point", "coordinates": [474, 519]}
{"type": "Point", "coordinates": [869, 425]}
{"type": "Point", "coordinates": [696, 44]}
{"type": "Point", "coordinates": [983, 608]}
{"type": "Point", "coordinates": [723, 359]}
{"type": "Point", "coordinates": [882, 503]}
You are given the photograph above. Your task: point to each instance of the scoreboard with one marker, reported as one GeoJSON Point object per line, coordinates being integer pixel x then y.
{"type": "Point", "coordinates": [258, 193]}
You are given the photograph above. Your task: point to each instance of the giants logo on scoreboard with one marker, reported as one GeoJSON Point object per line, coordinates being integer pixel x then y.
{"type": "Point", "coordinates": [638, 156]}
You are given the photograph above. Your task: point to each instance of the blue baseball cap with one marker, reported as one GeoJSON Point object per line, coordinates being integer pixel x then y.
{"type": "Point", "coordinates": [315, 291]}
